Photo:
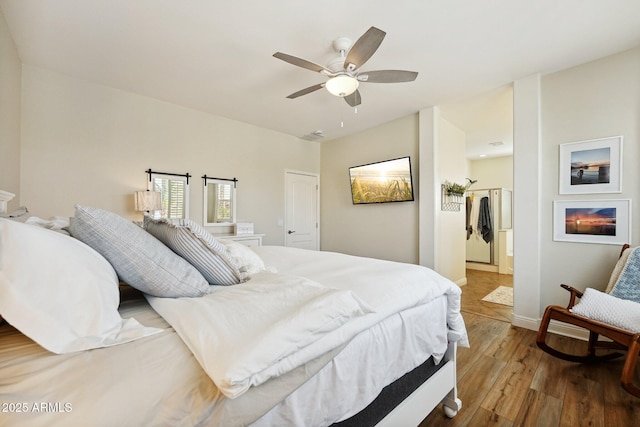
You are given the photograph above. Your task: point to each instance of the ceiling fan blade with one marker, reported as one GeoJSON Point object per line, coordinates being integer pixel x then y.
{"type": "Point", "coordinates": [301, 62]}
{"type": "Point", "coordinates": [388, 76]}
{"type": "Point", "coordinates": [354, 99]}
{"type": "Point", "coordinates": [364, 48]}
{"type": "Point", "coordinates": [306, 91]}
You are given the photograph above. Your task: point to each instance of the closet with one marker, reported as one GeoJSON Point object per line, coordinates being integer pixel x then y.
{"type": "Point", "coordinates": [489, 228]}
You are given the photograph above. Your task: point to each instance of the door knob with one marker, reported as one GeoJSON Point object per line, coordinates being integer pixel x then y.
{"type": "Point", "coordinates": [291, 231]}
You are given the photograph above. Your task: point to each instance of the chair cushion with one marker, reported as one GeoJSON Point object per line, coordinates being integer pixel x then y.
{"type": "Point", "coordinates": [605, 308]}
{"type": "Point", "coordinates": [625, 279]}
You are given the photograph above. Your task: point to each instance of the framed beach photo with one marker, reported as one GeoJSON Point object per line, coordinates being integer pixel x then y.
{"type": "Point", "coordinates": [593, 166]}
{"type": "Point", "coordinates": [592, 221]}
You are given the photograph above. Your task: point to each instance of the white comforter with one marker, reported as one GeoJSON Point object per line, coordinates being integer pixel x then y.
{"type": "Point", "coordinates": [245, 334]}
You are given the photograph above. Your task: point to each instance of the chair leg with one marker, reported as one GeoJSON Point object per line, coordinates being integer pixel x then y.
{"type": "Point", "coordinates": [593, 339]}
{"type": "Point", "coordinates": [628, 371]}
{"type": "Point", "coordinates": [541, 340]}
{"type": "Point", "coordinates": [591, 357]}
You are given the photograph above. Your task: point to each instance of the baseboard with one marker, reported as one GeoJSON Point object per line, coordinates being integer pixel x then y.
{"type": "Point", "coordinates": [482, 267]}
{"type": "Point", "coordinates": [555, 327]}
{"type": "Point", "coordinates": [461, 282]}
{"type": "Point", "coordinates": [567, 330]}
{"type": "Point", "coordinates": [525, 322]}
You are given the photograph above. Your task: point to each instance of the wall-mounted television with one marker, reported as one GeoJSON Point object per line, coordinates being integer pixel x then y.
{"type": "Point", "coordinates": [382, 182]}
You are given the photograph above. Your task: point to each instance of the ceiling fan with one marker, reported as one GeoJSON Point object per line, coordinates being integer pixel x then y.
{"type": "Point", "coordinates": [344, 72]}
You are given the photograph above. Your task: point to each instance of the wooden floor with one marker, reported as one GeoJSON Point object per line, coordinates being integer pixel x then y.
{"type": "Point", "coordinates": [480, 284]}
{"type": "Point", "coordinates": [504, 379]}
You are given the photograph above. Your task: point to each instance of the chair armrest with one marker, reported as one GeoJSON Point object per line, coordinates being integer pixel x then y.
{"type": "Point", "coordinates": [624, 248]}
{"type": "Point", "coordinates": [574, 293]}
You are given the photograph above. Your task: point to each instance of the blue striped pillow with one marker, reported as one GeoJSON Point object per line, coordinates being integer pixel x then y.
{"type": "Point", "coordinates": [193, 243]}
{"type": "Point", "coordinates": [138, 258]}
{"type": "Point", "coordinates": [628, 283]}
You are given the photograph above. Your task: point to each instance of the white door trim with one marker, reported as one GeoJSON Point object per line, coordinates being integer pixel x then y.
{"type": "Point", "coordinates": [286, 198]}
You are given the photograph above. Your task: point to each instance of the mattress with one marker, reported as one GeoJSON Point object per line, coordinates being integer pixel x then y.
{"type": "Point", "coordinates": [157, 381]}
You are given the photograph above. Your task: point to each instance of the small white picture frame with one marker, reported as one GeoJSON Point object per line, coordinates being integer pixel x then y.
{"type": "Point", "coordinates": [593, 166]}
{"type": "Point", "coordinates": [605, 222]}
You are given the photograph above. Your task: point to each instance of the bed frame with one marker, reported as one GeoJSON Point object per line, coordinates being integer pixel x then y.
{"type": "Point", "coordinates": [441, 387]}
{"type": "Point", "coordinates": [410, 399]}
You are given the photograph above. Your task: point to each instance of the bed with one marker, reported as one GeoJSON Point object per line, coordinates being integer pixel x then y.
{"type": "Point", "coordinates": [303, 338]}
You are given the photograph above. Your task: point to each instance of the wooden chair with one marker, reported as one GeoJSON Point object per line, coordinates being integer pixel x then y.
{"type": "Point", "coordinates": [621, 339]}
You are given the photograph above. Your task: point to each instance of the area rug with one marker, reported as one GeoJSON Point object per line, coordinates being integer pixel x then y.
{"type": "Point", "coordinates": [502, 295]}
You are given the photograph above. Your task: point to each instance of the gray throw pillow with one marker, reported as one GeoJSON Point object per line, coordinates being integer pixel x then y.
{"type": "Point", "coordinates": [140, 259]}
{"type": "Point", "coordinates": [195, 244]}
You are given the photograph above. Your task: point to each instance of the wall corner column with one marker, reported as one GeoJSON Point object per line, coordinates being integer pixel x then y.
{"type": "Point", "coordinates": [428, 198]}
{"type": "Point", "coordinates": [526, 201]}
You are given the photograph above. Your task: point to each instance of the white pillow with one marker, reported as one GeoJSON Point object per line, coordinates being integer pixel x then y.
{"type": "Point", "coordinates": [248, 261]}
{"type": "Point", "coordinates": [59, 292]}
{"type": "Point", "coordinates": [608, 309]}
{"type": "Point", "coordinates": [55, 223]}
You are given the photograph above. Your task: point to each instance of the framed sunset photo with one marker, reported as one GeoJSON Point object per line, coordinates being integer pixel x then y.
{"type": "Point", "coordinates": [592, 221]}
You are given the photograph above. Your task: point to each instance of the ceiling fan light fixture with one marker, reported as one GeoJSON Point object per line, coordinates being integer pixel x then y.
{"type": "Point", "coordinates": [342, 85]}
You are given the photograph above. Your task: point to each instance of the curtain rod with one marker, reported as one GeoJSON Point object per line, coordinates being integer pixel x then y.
{"type": "Point", "coordinates": [149, 171]}
{"type": "Point", "coordinates": [234, 179]}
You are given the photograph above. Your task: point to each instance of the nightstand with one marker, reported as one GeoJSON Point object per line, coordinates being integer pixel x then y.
{"type": "Point", "coordinates": [246, 239]}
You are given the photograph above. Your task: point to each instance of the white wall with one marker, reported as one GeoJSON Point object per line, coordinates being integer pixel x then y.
{"type": "Point", "coordinates": [451, 235]}
{"type": "Point", "coordinates": [442, 158]}
{"type": "Point", "coordinates": [85, 143]}
{"type": "Point", "coordinates": [398, 231]}
{"type": "Point", "coordinates": [90, 144]}
{"type": "Point", "coordinates": [493, 172]}
{"type": "Point", "coordinates": [527, 212]}
{"type": "Point", "coordinates": [386, 230]}
{"type": "Point", "coordinates": [593, 100]}
{"type": "Point", "coordinates": [10, 82]}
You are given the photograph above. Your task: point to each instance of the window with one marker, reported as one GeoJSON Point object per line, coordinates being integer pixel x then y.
{"type": "Point", "coordinates": [223, 203]}
{"type": "Point", "coordinates": [174, 192]}
{"type": "Point", "coordinates": [219, 201]}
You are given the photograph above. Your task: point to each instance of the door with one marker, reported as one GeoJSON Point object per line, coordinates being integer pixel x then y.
{"type": "Point", "coordinates": [477, 249]}
{"type": "Point", "coordinates": [301, 210]}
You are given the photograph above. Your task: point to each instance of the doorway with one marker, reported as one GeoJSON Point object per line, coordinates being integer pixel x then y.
{"type": "Point", "coordinates": [302, 210]}
{"type": "Point", "coordinates": [487, 123]}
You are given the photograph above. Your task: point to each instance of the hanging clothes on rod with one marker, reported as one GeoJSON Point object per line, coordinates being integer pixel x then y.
{"type": "Point", "coordinates": [485, 222]}
{"type": "Point", "coordinates": [469, 206]}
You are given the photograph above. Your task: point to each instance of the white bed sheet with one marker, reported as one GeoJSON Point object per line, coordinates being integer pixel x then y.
{"type": "Point", "coordinates": [246, 334]}
{"type": "Point", "coordinates": [353, 379]}
{"type": "Point", "coordinates": [243, 335]}
{"type": "Point", "coordinates": [355, 273]}
{"type": "Point", "coordinates": [157, 381]}
{"type": "Point", "coordinates": [151, 381]}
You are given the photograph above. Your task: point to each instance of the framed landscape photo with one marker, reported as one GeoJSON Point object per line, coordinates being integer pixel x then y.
{"type": "Point", "coordinates": [593, 166]}
{"type": "Point", "coordinates": [592, 221]}
{"type": "Point", "coordinates": [382, 182]}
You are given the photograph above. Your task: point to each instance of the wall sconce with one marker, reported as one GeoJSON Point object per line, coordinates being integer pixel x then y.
{"type": "Point", "coordinates": [147, 201]}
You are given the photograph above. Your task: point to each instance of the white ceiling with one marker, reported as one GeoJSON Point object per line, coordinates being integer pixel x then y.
{"type": "Point", "coordinates": [216, 56]}
{"type": "Point", "coordinates": [487, 120]}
